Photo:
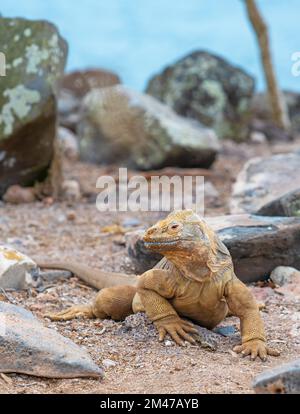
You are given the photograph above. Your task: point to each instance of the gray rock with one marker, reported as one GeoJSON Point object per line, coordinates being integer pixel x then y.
{"type": "Point", "coordinates": [68, 110]}
{"type": "Point", "coordinates": [139, 327]}
{"type": "Point", "coordinates": [258, 137]}
{"type": "Point", "coordinates": [257, 244]}
{"type": "Point", "coordinates": [27, 347]}
{"type": "Point", "coordinates": [35, 60]}
{"type": "Point", "coordinates": [263, 181]}
{"type": "Point", "coordinates": [17, 271]}
{"type": "Point", "coordinates": [209, 89]}
{"type": "Point", "coordinates": [207, 339]}
{"type": "Point", "coordinates": [282, 275]}
{"type": "Point", "coordinates": [68, 143]}
{"type": "Point", "coordinates": [287, 205]}
{"type": "Point", "coordinates": [53, 275]}
{"type": "Point", "coordinates": [74, 86]}
{"type": "Point", "coordinates": [281, 380]}
{"type": "Point", "coordinates": [122, 126]}
{"type": "Point", "coordinates": [108, 363]}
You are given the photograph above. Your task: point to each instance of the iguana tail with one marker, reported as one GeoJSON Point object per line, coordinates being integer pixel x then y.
{"type": "Point", "coordinates": [94, 277]}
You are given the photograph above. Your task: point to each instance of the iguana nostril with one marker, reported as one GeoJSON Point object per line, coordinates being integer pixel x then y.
{"type": "Point", "coordinates": [152, 230]}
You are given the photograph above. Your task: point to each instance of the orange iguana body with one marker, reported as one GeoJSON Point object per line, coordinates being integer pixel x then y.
{"type": "Point", "coordinates": [194, 280]}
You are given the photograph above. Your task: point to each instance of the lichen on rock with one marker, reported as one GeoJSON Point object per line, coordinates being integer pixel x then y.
{"type": "Point", "coordinates": [209, 89]}
{"type": "Point", "coordinates": [35, 57]}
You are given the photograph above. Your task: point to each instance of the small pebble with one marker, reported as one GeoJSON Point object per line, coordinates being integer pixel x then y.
{"type": "Point", "coordinates": [108, 363]}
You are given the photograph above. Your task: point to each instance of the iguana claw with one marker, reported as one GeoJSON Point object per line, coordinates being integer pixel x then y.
{"type": "Point", "coordinates": [255, 348]}
{"type": "Point", "coordinates": [177, 328]}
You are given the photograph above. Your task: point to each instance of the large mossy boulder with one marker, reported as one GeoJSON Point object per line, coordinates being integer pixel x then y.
{"type": "Point", "coordinates": [119, 125]}
{"type": "Point", "coordinates": [209, 89]}
{"type": "Point", "coordinates": [35, 57]}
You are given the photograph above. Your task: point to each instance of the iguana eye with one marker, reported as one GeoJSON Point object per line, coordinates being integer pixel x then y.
{"type": "Point", "coordinates": [174, 226]}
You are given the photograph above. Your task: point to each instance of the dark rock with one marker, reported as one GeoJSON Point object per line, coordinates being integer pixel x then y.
{"type": "Point", "coordinates": [206, 338]}
{"type": "Point", "coordinates": [53, 275]}
{"type": "Point", "coordinates": [284, 379]}
{"type": "Point", "coordinates": [126, 127]}
{"type": "Point", "coordinates": [286, 206]}
{"type": "Point", "coordinates": [74, 86]}
{"type": "Point", "coordinates": [257, 244]}
{"type": "Point", "coordinates": [35, 60]}
{"type": "Point", "coordinates": [261, 108]}
{"type": "Point", "coordinates": [140, 256]}
{"type": "Point", "coordinates": [272, 132]}
{"type": "Point", "coordinates": [263, 181]}
{"type": "Point", "coordinates": [27, 347]}
{"type": "Point", "coordinates": [209, 89]}
{"type": "Point", "coordinates": [79, 83]}
{"type": "Point", "coordinates": [16, 194]}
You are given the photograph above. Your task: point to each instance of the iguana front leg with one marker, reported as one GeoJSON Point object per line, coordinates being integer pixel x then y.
{"type": "Point", "coordinates": [242, 304]}
{"type": "Point", "coordinates": [155, 287]}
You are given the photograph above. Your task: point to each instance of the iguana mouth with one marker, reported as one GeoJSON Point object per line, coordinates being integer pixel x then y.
{"type": "Point", "coordinates": [161, 242]}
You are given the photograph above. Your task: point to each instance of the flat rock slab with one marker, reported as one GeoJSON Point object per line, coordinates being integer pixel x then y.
{"type": "Point", "coordinates": [264, 180]}
{"type": "Point", "coordinates": [27, 347]}
{"type": "Point", "coordinates": [257, 244]}
{"type": "Point", "coordinates": [282, 380]}
{"type": "Point", "coordinates": [17, 271]}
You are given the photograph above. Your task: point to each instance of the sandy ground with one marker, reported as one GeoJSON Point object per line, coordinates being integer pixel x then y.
{"type": "Point", "coordinates": [142, 365]}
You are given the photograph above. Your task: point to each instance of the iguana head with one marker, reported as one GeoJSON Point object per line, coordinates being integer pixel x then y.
{"type": "Point", "coordinates": [186, 240]}
{"type": "Point", "coordinates": [176, 232]}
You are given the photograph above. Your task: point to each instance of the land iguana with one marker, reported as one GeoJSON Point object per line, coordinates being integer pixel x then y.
{"type": "Point", "coordinates": [194, 280]}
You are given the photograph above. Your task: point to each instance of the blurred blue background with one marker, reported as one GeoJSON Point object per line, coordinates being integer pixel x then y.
{"type": "Point", "coordinates": [137, 38]}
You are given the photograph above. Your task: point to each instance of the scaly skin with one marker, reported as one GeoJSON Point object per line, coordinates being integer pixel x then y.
{"type": "Point", "coordinates": [194, 280]}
